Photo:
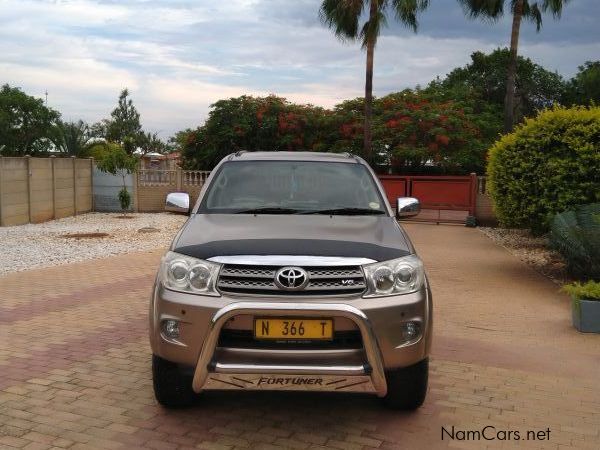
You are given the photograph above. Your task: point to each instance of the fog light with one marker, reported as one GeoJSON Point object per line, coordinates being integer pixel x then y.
{"type": "Point", "coordinates": [170, 328]}
{"type": "Point", "coordinates": [410, 331]}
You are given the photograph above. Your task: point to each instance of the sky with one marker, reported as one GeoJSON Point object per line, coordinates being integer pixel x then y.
{"type": "Point", "coordinates": [178, 57]}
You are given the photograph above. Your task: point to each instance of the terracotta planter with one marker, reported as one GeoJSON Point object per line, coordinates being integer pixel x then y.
{"type": "Point", "coordinates": [586, 315]}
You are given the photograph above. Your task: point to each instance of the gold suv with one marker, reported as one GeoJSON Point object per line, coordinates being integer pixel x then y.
{"type": "Point", "coordinates": [291, 273]}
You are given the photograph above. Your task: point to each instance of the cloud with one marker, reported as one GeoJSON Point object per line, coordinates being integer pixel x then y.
{"type": "Point", "coordinates": [177, 57]}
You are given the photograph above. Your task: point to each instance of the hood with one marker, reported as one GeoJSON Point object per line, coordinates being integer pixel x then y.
{"type": "Point", "coordinates": [375, 237]}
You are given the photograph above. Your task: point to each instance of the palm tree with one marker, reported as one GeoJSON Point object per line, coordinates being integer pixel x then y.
{"type": "Point", "coordinates": [521, 9]}
{"type": "Point", "coordinates": [150, 142]}
{"type": "Point", "coordinates": [72, 138]}
{"type": "Point", "coordinates": [343, 16]}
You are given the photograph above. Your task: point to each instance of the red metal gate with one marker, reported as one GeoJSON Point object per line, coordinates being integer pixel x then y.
{"type": "Point", "coordinates": [443, 198]}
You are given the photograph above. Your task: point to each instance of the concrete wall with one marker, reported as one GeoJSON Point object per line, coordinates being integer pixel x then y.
{"type": "Point", "coordinates": [106, 191]}
{"type": "Point", "coordinates": [84, 188]}
{"type": "Point", "coordinates": [14, 191]}
{"type": "Point", "coordinates": [152, 198]}
{"type": "Point", "coordinates": [39, 189]}
{"type": "Point", "coordinates": [154, 185]}
{"type": "Point", "coordinates": [148, 188]}
{"type": "Point", "coordinates": [484, 210]}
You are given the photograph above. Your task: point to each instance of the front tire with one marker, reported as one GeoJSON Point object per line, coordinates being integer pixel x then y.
{"type": "Point", "coordinates": [407, 387]}
{"type": "Point", "coordinates": [172, 388]}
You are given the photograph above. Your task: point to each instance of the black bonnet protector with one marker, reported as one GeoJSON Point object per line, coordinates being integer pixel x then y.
{"type": "Point", "coordinates": [376, 238]}
{"type": "Point", "coordinates": [310, 247]}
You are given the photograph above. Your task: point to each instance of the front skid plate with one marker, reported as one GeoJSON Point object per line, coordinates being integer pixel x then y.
{"type": "Point", "coordinates": [287, 382]}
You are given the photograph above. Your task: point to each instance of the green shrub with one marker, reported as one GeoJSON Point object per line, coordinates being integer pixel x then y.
{"type": "Point", "coordinates": [99, 150]}
{"type": "Point", "coordinates": [587, 291]}
{"type": "Point", "coordinates": [576, 234]}
{"type": "Point", "coordinates": [124, 199]}
{"type": "Point", "coordinates": [548, 165]}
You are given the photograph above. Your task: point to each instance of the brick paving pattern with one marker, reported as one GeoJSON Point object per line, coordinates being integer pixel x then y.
{"type": "Point", "coordinates": [75, 365]}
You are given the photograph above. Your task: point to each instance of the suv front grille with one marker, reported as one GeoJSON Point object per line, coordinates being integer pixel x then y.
{"type": "Point", "coordinates": [260, 280]}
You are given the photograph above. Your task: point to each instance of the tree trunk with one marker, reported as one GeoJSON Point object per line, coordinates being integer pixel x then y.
{"type": "Point", "coordinates": [124, 187]}
{"type": "Point", "coordinates": [509, 99]}
{"type": "Point", "coordinates": [367, 146]}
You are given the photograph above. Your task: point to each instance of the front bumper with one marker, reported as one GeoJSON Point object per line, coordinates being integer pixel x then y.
{"type": "Point", "coordinates": [379, 321]}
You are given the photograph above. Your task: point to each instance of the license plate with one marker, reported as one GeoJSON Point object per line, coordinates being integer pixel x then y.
{"type": "Point", "coordinates": [292, 328]}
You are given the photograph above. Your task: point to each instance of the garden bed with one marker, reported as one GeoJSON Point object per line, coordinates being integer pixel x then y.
{"type": "Point", "coordinates": [534, 251]}
{"type": "Point", "coordinates": [88, 236]}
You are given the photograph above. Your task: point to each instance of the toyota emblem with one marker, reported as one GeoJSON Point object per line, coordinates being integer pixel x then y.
{"type": "Point", "coordinates": [291, 278]}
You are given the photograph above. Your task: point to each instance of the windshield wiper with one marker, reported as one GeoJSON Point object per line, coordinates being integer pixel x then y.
{"type": "Point", "coordinates": [268, 210]}
{"type": "Point", "coordinates": [346, 211]}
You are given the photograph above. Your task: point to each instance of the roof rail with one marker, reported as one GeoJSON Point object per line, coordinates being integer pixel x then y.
{"type": "Point", "coordinates": [353, 156]}
{"type": "Point", "coordinates": [236, 154]}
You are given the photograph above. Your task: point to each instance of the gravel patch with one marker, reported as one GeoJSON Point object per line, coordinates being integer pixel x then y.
{"type": "Point", "coordinates": [81, 237]}
{"type": "Point", "coordinates": [533, 250]}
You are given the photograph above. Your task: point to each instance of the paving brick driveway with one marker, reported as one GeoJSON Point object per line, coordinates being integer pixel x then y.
{"type": "Point", "coordinates": [75, 365]}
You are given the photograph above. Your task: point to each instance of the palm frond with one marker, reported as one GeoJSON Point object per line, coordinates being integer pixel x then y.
{"type": "Point", "coordinates": [371, 28]}
{"type": "Point", "coordinates": [532, 13]}
{"type": "Point", "coordinates": [490, 10]}
{"type": "Point", "coordinates": [554, 6]}
{"type": "Point", "coordinates": [342, 16]}
{"type": "Point", "coordinates": [408, 10]}
{"type": "Point", "coordinates": [71, 138]}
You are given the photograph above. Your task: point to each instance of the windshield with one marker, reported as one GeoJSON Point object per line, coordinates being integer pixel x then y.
{"type": "Point", "coordinates": [292, 187]}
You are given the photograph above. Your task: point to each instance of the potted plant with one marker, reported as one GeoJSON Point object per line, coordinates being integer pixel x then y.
{"type": "Point", "coordinates": [585, 305]}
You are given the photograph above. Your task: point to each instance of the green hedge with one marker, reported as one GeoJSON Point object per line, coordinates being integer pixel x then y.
{"type": "Point", "coordinates": [548, 165]}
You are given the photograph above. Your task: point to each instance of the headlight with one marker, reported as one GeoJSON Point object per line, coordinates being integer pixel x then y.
{"type": "Point", "coordinates": [186, 274]}
{"type": "Point", "coordinates": [397, 276]}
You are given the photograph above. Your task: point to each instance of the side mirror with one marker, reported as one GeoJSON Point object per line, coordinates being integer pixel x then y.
{"type": "Point", "coordinates": [407, 207]}
{"type": "Point", "coordinates": [178, 202]}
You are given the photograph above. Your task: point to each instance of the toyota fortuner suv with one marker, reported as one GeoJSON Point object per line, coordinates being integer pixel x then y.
{"type": "Point", "coordinates": [291, 273]}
